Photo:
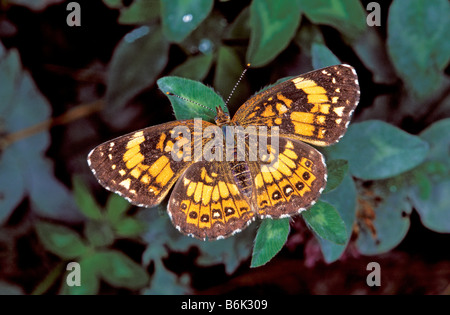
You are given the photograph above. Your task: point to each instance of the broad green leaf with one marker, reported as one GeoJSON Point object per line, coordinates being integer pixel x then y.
{"type": "Point", "coordinates": [270, 239]}
{"type": "Point", "coordinates": [437, 136]}
{"type": "Point", "coordinates": [343, 198]}
{"type": "Point", "coordinates": [322, 56]}
{"type": "Point", "coordinates": [181, 17]}
{"type": "Point", "coordinates": [194, 68]}
{"type": "Point", "coordinates": [377, 150]}
{"type": "Point", "coordinates": [140, 12]}
{"type": "Point", "coordinates": [228, 71]}
{"type": "Point", "coordinates": [90, 281]}
{"type": "Point", "coordinates": [326, 222]}
{"type": "Point", "coordinates": [60, 240]}
{"type": "Point", "coordinates": [391, 219]}
{"type": "Point", "coordinates": [418, 42]}
{"type": "Point", "coordinates": [85, 201]}
{"type": "Point", "coordinates": [120, 271]}
{"type": "Point", "coordinates": [337, 169]}
{"type": "Point", "coordinates": [273, 25]}
{"type": "Point", "coordinates": [12, 190]}
{"type": "Point", "coordinates": [136, 63]}
{"type": "Point", "coordinates": [348, 16]}
{"type": "Point", "coordinates": [240, 28]}
{"type": "Point", "coordinates": [193, 91]}
{"type": "Point", "coordinates": [116, 207]}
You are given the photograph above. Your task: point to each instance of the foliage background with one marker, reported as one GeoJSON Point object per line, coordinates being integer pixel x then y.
{"type": "Point", "coordinates": [64, 90]}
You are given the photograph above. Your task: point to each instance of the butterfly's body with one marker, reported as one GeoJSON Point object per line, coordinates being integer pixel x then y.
{"type": "Point", "coordinates": [217, 198]}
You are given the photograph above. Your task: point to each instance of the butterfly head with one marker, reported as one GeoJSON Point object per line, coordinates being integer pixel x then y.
{"type": "Point", "coordinates": [222, 118]}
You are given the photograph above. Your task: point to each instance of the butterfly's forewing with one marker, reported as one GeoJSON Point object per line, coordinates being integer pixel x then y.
{"type": "Point", "coordinates": [315, 107]}
{"type": "Point", "coordinates": [141, 166]}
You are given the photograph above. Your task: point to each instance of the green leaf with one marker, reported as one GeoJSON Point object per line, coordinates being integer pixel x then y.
{"type": "Point", "coordinates": [240, 28]}
{"type": "Point", "coordinates": [322, 56]}
{"type": "Point", "coordinates": [136, 63]}
{"type": "Point", "coordinates": [120, 271]}
{"type": "Point", "coordinates": [12, 190]}
{"type": "Point", "coordinates": [181, 17]}
{"type": "Point", "coordinates": [140, 12]}
{"type": "Point", "coordinates": [348, 16]}
{"type": "Point", "coordinates": [270, 239]}
{"type": "Point", "coordinates": [418, 42]}
{"type": "Point", "coordinates": [194, 68]}
{"type": "Point", "coordinates": [85, 201]}
{"type": "Point", "coordinates": [116, 207]}
{"type": "Point", "coordinates": [99, 234]}
{"type": "Point", "coordinates": [90, 281]}
{"type": "Point", "coordinates": [193, 91]}
{"type": "Point", "coordinates": [326, 222]}
{"type": "Point", "coordinates": [337, 169]}
{"type": "Point", "coordinates": [343, 198]}
{"type": "Point", "coordinates": [129, 227]}
{"type": "Point", "coordinates": [273, 25]}
{"type": "Point", "coordinates": [60, 240]}
{"type": "Point", "coordinates": [437, 137]}
{"type": "Point", "coordinates": [228, 71]}
{"type": "Point", "coordinates": [164, 282]}
{"type": "Point", "coordinates": [377, 150]}
{"type": "Point", "coordinates": [391, 218]}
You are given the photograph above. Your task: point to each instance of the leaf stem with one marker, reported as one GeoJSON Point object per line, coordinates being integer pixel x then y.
{"type": "Point", "coordinates": [49, 280]}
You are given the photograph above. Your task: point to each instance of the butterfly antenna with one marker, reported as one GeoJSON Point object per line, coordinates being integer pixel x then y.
{"type": "Point", "coordinates": [193, 102]}
{"type": "Point", "coordinates": [237, 83]}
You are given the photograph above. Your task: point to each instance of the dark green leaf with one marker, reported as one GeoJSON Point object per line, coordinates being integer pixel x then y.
{"type": "Point", "coordinates": [140, 12]}
{"type": "Point", "coordinates": [12, 186]}
{"type": "Point", "coordinates": [129, 227]}
{"type": "Point", "coordinates": [99, 234]}
{"type": "Point", "coordinates": [322, 56]}
{"type": "Point", "coordinates": [337, 169]}
{"type": "Point", "coordinates": [85, 201]}
{"type": "Point", "coordinates": [194, 68]}
{"type": "Point", "coordinates": [343, 198]}
{"type": "Point", "coordinates": [120, 271]}
{"type": "Point", "coordinates": [418, 42]}
{"type": "Point", "coordinates": [240, 28]}
{"type": "Point", "coordinates": [135, 65]}
{"type": "Point", "coordinates": [348, 16]}
{"type": "Point", "coordinates": [437, 136]}
{"type": "Point", "coordinates": [273, 25]}
{"type": "Point", "coordinates": [90, 281]}
{"type": "Point", "coordinates": [116, 207]}
{"type": "Point", "coordinates": [326, 222]}
{"type": "Point", "coordinates": [270, 239]}
{"type": "Point", "coordinates": [377, 150]}
{"type": "Point", "coordinates": [180, 17]}
{"type": "Point", "coordinates": [193, 91]}
{"type": "Point", "coordinates": [60, 240]}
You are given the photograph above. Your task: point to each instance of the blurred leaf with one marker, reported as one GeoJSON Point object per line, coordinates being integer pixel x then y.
{"type": "Point", "coordinates": [270, 239]}
{"type": "Point", "coordinates": [120, 271]}
{"type": "Point", "coordinates": [437, 136]}
{"type": "Point", "coordinates": [90, 281]}
{"type": "Point", "coordinates": [60, 240]}
{"type": "Point", "coordinates": [418, 42]}
{"type": "Point", "coordinates": [194, 68]}
{"type": "Point", "coordinates": [114, 4]}
{"type": "Point", "coordinates": [193, 91]}
{"type": "Point", "coordinates": [377, 150]}
{"type": "Point", "coordinates": [136, 63]}
{"type": "Point", "coordinates": [343, 198]}
{"type": "Point", "coordinates": [240, 27]}
{"type": "Point", "coordinates": [348, 16]}
{"type": "Point", "coordinates": [140, 12]}
{"type": "Point", "coordinates": [129, 227]}
{"type": "Point", "coordinates": [228, 71]}
{"type": "Point", "coordinates": [322, 56]}
{"type": "Point", "coordinates": [326, 222]}
{"type": "Point", "coordinates": [164, 282]}
{"type": "Point", "coordinates": [116, 207]}
{"type": "Point", "coordinates": [391, 219]}
{"type": "Point", "coordinates": [35, 5]}
{"type": "Point", "coordinates": [181, 17]}
{"type": "Point", "coordinates": [99, 234]}
{"type": "Point", "coordinates": [273, 25]}
{"type": "Point", "coordinates": [337, 169]}
{"type": "Point", "coordinates": [22, 107]}
{"type": "Point", "coordinates": [85, 201]}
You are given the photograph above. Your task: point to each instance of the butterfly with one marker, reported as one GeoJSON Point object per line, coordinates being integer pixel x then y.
{"type": "Point", "coordinates": [215, 198]}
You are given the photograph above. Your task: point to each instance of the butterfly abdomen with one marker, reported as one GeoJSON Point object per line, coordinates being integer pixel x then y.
{"type": "Point", "coordinates": [242, 176]}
